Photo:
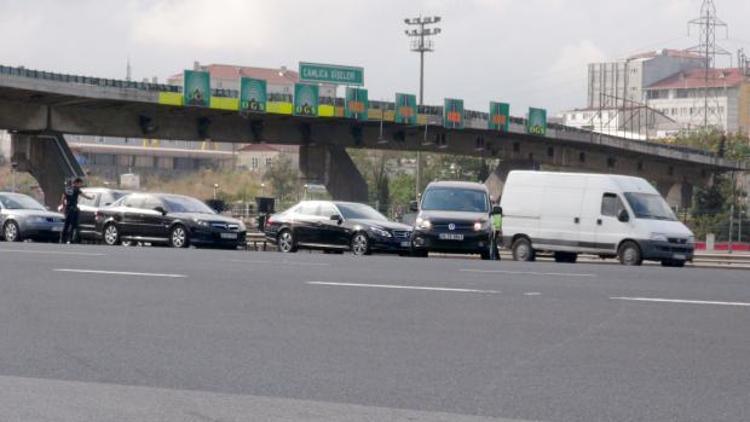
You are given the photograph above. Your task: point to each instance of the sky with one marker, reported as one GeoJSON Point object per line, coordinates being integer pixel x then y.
{"type": "Point", "coordinates": [525, 52]}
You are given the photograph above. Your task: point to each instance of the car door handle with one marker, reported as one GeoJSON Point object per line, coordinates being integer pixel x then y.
{"type": "Point", "coordinates": [599, 221]}
{"type": "Point", "coordinates": [576, 220]}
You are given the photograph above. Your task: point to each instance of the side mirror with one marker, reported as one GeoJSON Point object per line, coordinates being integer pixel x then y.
{"type": "Point", "coordinates": [413, 206]}
{"type": "Point", "coordinates": [497, 210]}
{"type": "Point", "coordinates": [623, 216]}
{"type": "Point", "coordinates": [336, 217]}
{"type": "Point", "coordinates": [161, 210]}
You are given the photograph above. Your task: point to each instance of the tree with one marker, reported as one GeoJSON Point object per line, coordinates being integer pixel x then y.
{"type": "Point", "coordinates": [283, 178]}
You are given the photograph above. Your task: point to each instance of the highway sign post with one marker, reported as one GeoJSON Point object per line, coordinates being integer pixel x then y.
{"type": "Point", "coordinates": [356, 103]}
{"type": "Point", "coordinates": [253, 94]}
{"type": "Point", "coordinates": [306, 100]}
{"type": "Point", "coordinates": [196, 88]}
{"type": "Point", "coordinates": [406, 109]}
{"type": "Point", "coordinates": [537, 122]}
{"type": "Point", "coordinates": [453, 113]}
{"type": "Point", "coordinates": [331, 74]}
{"type": "Point", "coordinates": [499, 117]}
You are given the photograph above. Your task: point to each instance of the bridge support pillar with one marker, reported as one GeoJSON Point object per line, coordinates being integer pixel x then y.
{"type": "Point", "coordinates": [330, 165]}
{"type": "Point", "coordinates": [678, 195]}
{"type": "Point", "coordinates": [48, 158]}
{"type": "Point", "coordinates": [497, 178]}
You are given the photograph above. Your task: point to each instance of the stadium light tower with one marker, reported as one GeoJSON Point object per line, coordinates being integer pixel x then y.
{"type": "Point", "coordinates": [421, 29]}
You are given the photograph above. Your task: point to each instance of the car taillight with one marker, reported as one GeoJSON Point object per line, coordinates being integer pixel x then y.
{"type": "Point", "coordinates": [98, 215]}
{"type": "Point", "coordinates": [270, 220]}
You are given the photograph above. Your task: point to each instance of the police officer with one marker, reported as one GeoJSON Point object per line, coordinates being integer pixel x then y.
{"type": "Point", "coordinates": [497, 228]}
{"type": "Point", "coordinates": [69, 205]}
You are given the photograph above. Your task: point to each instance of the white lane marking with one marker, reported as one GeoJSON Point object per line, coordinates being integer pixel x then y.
{"type": "Point", "coordinates": [403, 287]}
{"type": "Point", "coordinates": [472, 270]}
{"type": "Point", "coordinates": [51, 252]}
{"type": "Point", "coordinates": [135, 274]}
{"type": "Point", "coordinates": [693, 302]}
{"type": "Point", "coordinates": [532, 294]}
{"type": "Point", "coordinates": [302, 264]}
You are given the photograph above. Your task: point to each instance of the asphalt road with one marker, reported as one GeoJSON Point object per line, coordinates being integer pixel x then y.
{"type": "Point", "coordinates": [92, 333]}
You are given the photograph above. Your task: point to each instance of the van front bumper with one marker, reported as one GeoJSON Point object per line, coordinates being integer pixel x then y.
{"type": "Point", "coordinates": [659, 250]}
{"type": "Point", "coordinates": [472, 243]}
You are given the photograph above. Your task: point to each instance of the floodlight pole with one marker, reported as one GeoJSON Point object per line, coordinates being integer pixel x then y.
{"type": "Point", "coordinates": [421, 47]}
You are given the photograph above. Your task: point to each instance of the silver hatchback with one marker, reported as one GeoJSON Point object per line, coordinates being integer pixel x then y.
{"type": "Point", "coordinates": [23, 217]}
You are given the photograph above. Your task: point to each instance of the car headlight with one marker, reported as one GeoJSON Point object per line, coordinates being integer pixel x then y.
{"type": "Point", "coordinates": [659, 237]}
{"type": "Point", "coordinates": [37, 220]}
{"type": "Point", "coordinates": [479, 225]}
{"type": "Point", "coordinates": [423, 224]}
{"type": "Point", "coordinates": [380, 232]}
{"type": "Point", "coordinates": [202, 223]}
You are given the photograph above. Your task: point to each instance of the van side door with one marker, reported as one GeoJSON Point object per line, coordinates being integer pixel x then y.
{"type": "Point", "coordinates": [609, 230]}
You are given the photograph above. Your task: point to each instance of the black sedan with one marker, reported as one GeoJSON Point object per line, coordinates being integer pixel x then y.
{"type": "Point", "coordinates": [337, 226]}
{"type": "Point", "coordinates": [87, 208]}
{"type": "Point", "coordinates": [174, 220]}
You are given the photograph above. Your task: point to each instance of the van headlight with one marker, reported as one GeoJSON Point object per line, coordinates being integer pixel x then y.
{"type": "Point", "coordinates": [424, 224]}
{"type": "Point", "coordinates": [658, 237]}
{"type": "Point", "coordinates": [480, 225]}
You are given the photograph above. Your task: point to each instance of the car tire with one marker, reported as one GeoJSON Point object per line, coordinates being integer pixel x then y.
{"type": "Point", "coordinates": [285, 242]}
{"type": "Point", "coordinates": [522, 250]}
{"type": "Point", "coordinates": [11, 231]}
{"type": "Point", "coordinates": [111, 235]}
{"type": "Point", "coordinates": [360, 244]}
{"type": "Point", "coordinates": [630, 254]}
{"type": "Point", "coordinates": [178, 237]}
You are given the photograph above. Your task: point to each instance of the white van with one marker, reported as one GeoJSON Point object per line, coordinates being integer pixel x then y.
{"type": "Point", "coordinates": [601, 214]}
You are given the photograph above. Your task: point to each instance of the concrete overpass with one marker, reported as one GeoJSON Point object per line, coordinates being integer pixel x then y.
{"type": "Point", "coordinates": [42, 106]}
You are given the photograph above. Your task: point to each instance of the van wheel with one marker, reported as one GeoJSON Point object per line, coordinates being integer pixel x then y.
{"type": "Point", "coordinates": [630, 254]}
{"type": "Point", "coordinates": [522, 250]}
{"type": "Point", "coordinates": [566, 257]}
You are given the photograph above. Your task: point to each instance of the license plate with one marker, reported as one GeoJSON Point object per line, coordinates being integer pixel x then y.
{"type": "Point", "coordinates": [679, 256]}
{"type": "Point", "coordinates": [451, 236]}
{"type": "Point", "coordinates": [405, 244]}
{"type": "Point", "coordinates": [57, 229]}
{"type": "Point", "coordinates": [229, 235]}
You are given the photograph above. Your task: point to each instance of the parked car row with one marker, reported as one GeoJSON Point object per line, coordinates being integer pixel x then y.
{"type": "Point", "coordinates": [563, 214]}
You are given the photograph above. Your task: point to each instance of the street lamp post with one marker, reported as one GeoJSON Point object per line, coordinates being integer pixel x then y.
{"type": "Point", "coordinates": [421, 44]}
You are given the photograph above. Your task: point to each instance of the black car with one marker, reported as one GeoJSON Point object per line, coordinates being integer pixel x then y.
{"type": "Point", "coordinates": [87, 208]}
{"type": "Point", "coordinates": [454, 217]}
{"type": "Point", "coordinates": [175, 220]}
{"type": "Point", "coordinates": [337, 226]}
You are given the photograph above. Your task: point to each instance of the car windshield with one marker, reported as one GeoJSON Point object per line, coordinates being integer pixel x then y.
{"type": "Point", "coordinates": [649, 206]}
{"type": "Point", "coordinates": [20, 202]}
{"type": "Point", "coordinates": [360, 211]}
{"type": "Point", "coordinates": [455, 199]}
{"type": "Point", "coordinates": [185, 204]}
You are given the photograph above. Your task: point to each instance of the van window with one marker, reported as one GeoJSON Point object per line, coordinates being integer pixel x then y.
{"type": "Point", "coordinates": [611, 205]}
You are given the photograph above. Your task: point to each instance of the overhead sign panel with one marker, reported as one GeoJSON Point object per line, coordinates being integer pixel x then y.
{"type": "Point", "coordinates": [196, 88]}
{"type": "Point", "coordinates": [331, 74]}
{"type": "Point", "coordinates": [253, 94]}
{"type": "Point", "coordinates": [499, 116]}
{"type": "Point", "coordinates": [306, 99]}
{"type": "Point", "coordinates": [453, 113]}
{"type": "Point", "coordinates": [356, 103]}
{"type": "Point", "coordinates": [537, 122]}
{"type": "Point", "coordinates": [406, 109]}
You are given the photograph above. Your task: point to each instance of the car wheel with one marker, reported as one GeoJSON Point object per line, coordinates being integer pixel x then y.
{"type": "Point", "coordinates": [11, 232]}
{"type": "Point", "coordinates": [178, 237]}
{"type": "Point", "coordinates": [286, 242]}
{"type": "Point", "coordinates": [630, 254]}
{"type": "Point", "coordinates": [522, 250]}
{"type": "Point", "coordinates": [360, 244]}
{"type": "Point", "coordinates": [111, 235]}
